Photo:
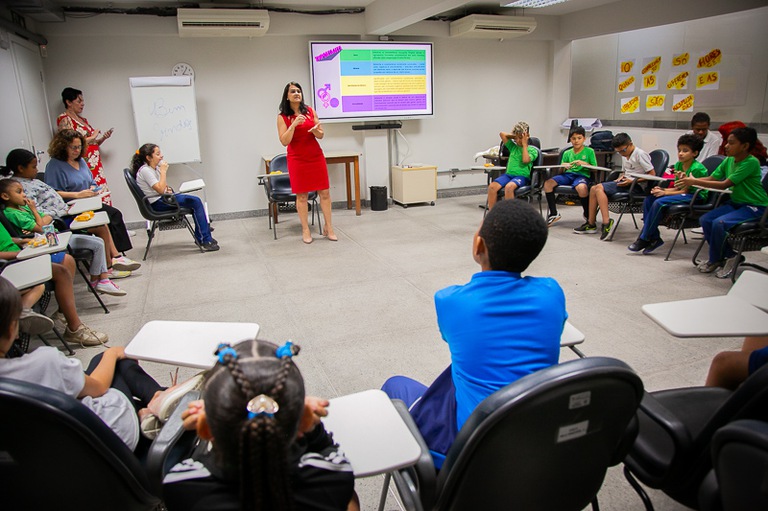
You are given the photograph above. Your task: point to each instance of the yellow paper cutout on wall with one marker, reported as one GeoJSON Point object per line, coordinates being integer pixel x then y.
{"type": "Point", "coordinates": [681, 59]}
{"type": "Point", "coordinates": [627, 85]}
{"type": "Point", "coordinates": [630, 105]}
{"type": "Point", "coordinates": [652, 66]}
{"type": "Point", "coordinates": [655, 102]}
{"type": "Point", "coordinates": [626, 67]}
{"type": "Point", "coordinates": [711, 59]}
{"type": "Point", "coordinates": [678, 80]}
{"type": "Point", "coordinates": [683, 103]}
{"type": "Point", "coordinates": [709, 80]}
{"type": "Point", "coordinates": [650, 82]}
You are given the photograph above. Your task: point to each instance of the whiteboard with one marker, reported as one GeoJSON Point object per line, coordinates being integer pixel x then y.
{"type": "Point", "coordinates": [165, 114]}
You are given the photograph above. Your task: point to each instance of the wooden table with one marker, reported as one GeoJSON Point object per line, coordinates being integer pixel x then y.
{"type": "Point", "coordinates": [332, 158]}
{"type": "Point", "coordinates": [186, 343]}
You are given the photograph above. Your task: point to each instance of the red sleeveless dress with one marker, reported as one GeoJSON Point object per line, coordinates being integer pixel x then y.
{"type": "Point", "coordinates": [306, 161]}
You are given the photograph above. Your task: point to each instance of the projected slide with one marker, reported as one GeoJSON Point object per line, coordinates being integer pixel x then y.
{"type": "Point", "coordinates": [363, 81]}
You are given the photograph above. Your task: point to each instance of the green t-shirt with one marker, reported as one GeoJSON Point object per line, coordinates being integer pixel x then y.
{"type": "Point", "coordinates": [515, 165]}
{"type": "Point", "coordinates": [6, 243]}
{"type": "Point", "coordinates": [697, 170]}
{"type": "Point", "coordinates": [587, 154]}
{"type": "Point", "coordinates": [746, 177]}
{"type": "Point", "coordinates": [22, 218]}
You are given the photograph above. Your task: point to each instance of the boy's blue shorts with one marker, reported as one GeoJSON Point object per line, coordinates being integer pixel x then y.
{"type": "Point", "coordinates": [570, 179]}
{"type": "Point", "coordinates": [505, 179]}
{"type": "Point", "coordinates": [58, 257]}
{"type": "Point", "coordinates": [758, 359]}
{"type": "Point", "coordinates": [611, 187]}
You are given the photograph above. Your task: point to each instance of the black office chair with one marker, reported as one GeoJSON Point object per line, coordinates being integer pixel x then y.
{"type": "Point", "coordinates": [672, 451]}
{"type": "Point", "coordinates": [631, 200]}
{"type": "Point", "coordinates": [739, 479]}
{"type": "Point", "coordinates": [529, 191]}
{"type": "Point", "coordinates": [747, 237]}
{"type": "Point", "coordinates": [543, 442]}
{"type": "Point", "coordinates": [48, 438]}
{"type": "Point", "coordinates": [682, 216]}
{"type": "Point", "coordinates": [164, 220]}
{"type": "Point", "coordinates": [278, 190]}
{"type": "Point", "coordinates": [568, 190]}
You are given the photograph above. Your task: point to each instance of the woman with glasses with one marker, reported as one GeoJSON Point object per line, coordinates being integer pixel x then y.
{"type": "Point", "coordinates": [68, 173]}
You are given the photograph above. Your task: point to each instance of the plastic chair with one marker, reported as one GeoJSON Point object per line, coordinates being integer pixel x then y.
{"type": "Point", "coordinates": [680, 216]}
{"type": "Point", "coordinates": [740, 469]}
{"type": "Point", "coordinates": [278, 190]}
{"type": "Point", "coordinates": [543, 442]}
{"type": "Point", "coordinates": [48, 436]}
{"type": "Point", "coordinates": [631, 200]}
{"type": "Point", "coordinates": [164, 220]}
{"type": "Point", "coordinates": [672, 451]}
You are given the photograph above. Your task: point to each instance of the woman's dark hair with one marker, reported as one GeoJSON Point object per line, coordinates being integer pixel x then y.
{"type": "Point", "coordinates": [514, 234]}
{"type": "Point", "coordinates": [15, 159]}
{"type": "Point", "coordinates": [254, 451]}
{"type": "Point", "coordinates": [69, 94]}
{"type": "Point", "coordinates": [58, 147]}
{"type": "Point", "coordinates": [696, 143]}
{"type": "Point", "coordinates": [285, 104]}
{"type": "Point", "coordinates": [10, 306]}
{"type": "Point", "coordinates": [746, 135]}
{"type": "Point", "coordinates": [140, 157]}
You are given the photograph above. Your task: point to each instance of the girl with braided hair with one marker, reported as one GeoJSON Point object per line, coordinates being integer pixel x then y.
{"type": "Point", "coordinates": [269, 448]}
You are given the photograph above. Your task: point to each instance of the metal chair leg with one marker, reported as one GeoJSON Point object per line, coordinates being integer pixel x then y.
{"type": "Point", "coordinates": [150, 236]}
{"type": "Point", "coordinates": [91, 288]}
{"type": "Point", "coordinates": [639, 489]}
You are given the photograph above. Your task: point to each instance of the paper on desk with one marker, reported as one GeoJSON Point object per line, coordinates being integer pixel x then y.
{"type": "Point", "coordinates": [588, 123]}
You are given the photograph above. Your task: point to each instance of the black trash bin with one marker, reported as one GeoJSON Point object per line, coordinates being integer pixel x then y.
{"type": "Point", "coordinates": [378, 198]}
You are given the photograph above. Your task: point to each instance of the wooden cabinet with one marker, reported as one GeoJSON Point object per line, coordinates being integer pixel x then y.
{"type": "Point", "coordinates": [411, 185]}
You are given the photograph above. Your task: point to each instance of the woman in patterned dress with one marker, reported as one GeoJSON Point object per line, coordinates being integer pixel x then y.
{"type": "Point", "coordinates": [71, 119]}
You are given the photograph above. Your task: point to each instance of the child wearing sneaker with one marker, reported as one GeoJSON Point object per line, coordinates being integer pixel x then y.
{"type": "Point", "coordinates": [521, 158]}
{"type": "Point", "coordinates": [688, 147]}
{"type": "Point", "coordinates": [113, 387]}
{"type": "Point", "coordinates": [269, 450]}
{"type": "Point", "coordinates": [634, 160]}
{"type": "Point", "coordinates": [575, 175]}
{"type": "Point", "coordinates": [22, 212]}
{"type": "Point", "coordinates": [740, 172]}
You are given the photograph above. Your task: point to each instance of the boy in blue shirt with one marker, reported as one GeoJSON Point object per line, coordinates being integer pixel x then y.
{"type": "Point", "coordinates": [499, 327]}
{"type": "Point", "coordinates": [521, 158]}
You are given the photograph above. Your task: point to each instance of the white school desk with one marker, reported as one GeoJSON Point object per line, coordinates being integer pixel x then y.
{"type": "Point", "coordinates": [99, 218]}
{"type": "Point", "coordinates": [590, 167]}
{"type": "Point", "coordinates": [371, 433]}
{"type": "Point", "coordinates": [28, 251]}
{"type": "Point", "coordinates": [191, 186]}
{"type": "Point", "coordinates": [78, 206]}
{"type": "Point", "coordinates": [186, 343]}
{"type": "Point", "coordinates": [647, 177]}
{"type": "Point", "coordinates": [705, 317]}
{"type": "Point", "coordinates": [29, 272]}
{"type": "Point", "coordinates": [347, 159]}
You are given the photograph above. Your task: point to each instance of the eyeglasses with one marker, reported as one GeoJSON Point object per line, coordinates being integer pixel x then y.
{"type": "Point", "coordinates": [622, 150]}
{"type": "Point", "coordinates": [76, 147]}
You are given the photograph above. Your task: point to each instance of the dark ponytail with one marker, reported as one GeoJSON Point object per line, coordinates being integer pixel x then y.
{"type": "Point", "coordinates": [15, 159]}
{"type": "Point", "coordinates": [140, 157]}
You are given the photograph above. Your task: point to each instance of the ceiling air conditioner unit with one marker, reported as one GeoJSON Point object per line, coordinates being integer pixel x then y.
{"type": "Point", "coordinates": [481, 25]}
{"type": "Point", "coordinates": [222, 22]}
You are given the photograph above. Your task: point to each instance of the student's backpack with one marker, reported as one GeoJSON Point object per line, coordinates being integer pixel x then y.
{"type": "Point", "coordinates": [601, 140]}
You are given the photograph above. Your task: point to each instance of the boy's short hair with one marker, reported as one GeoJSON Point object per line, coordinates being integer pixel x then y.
{"type": "Point", "coordinates": [578, 130]}
{"type": "Point", "coordinates": [520, 128]}
{"type": "Point", "coordinates": [620, 139]}
{"type": "Point", "coordinates": [514, 234]}
{"type": "Point", "coordinates": [700, 117]}
{"type": "Point", "coordinates": [694, 142]}
{"type": "Point", "coordinates": [746, 135]}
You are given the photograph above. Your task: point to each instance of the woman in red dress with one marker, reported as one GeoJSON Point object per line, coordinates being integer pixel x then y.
{"type": "Point", "coordinates": [299, 128]}
{"type": "Point", "coordinates": [71, 119]}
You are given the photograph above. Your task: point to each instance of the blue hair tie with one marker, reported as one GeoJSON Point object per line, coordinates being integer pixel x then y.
{"type": "Point", "coordinates": [286, 350]}
{"type": "Point", "coordinates": [224, 349]}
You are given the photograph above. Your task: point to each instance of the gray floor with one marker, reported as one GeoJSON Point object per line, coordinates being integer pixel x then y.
{"type": "Point", "coordinates": [362, 308]}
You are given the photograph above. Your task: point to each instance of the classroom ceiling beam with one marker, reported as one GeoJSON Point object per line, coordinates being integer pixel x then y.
{"type": "Point", "coordinates": [386, 16]}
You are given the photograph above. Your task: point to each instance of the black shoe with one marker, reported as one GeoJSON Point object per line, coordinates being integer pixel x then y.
{"type": "Point", "coordinates": [653, 246]}
{"type": "Point", "coordinates": [208, 247]}
{"type": "Point", "coordinates": [638, 245]}
{"type": "Point", "coordinates": [213, 240]}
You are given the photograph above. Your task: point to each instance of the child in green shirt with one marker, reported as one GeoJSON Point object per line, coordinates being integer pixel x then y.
{"type": "Point", "coordinates": [575, 175]}
{"type": "Point", "coordinates": [521, 158]}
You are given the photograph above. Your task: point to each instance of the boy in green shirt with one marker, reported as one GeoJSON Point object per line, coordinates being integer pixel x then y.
{"type": "Point", "coordinates": [521, 158]}
{"type": "Point", "coordinates": [575, 175]}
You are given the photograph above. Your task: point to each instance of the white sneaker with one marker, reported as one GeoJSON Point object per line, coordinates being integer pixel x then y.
{"type": "Point", "coordinates": [33, 323]}
{"type": "Point", "coordinates": [730, 266]}
{"type": "Point", "coordinates": [125, 264]}
{"type": "Point", "coordinates": [114, 274]}
{"type": "Point", "coordinates": [84, 336]}
{"type": "Point", "coordinates": [59, 321]}
{"type": "Point", "coordinates": [131, 233]}
{"type": "Point", "coordinates": [108, 287]}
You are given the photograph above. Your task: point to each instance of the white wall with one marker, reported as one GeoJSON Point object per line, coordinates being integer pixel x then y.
{"type": "Point", "coordinates": [481, 87]}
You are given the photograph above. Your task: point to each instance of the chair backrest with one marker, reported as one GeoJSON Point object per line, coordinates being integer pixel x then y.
{"type": "Point", "coordinates": [279, 162]}
{"type": "Point", "coordinates": [712, 162]}
{"type": "Point", "coordinates": [562, 152]}
{"type": "Point", "coordinates": [146, 211]}
{"type": "Point", "coordinates": [752, 287]}
{"type": "Point", "coordinates": [740, 461]}
{"type": "Point", "coordinates": [544, 441]}
{"type": "Point", "coordinates": [659, 160]}
{"type": "Point", "coordinates": [47, 438]}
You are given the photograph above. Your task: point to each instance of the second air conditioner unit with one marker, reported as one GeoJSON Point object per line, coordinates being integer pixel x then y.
{"type": "Point", "coordinates": [222, 22]}
{"type": "Point", "coordinates": [497, 27]}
